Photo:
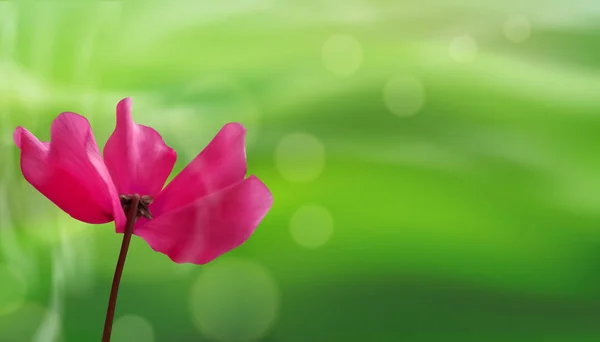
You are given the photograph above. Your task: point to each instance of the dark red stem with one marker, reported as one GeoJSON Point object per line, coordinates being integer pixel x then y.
{"type": "Point", "coordinates": [114, 291]}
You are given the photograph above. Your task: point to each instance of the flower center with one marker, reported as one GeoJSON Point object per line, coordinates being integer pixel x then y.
{"type": "Point", "coordinates": [142, 209]}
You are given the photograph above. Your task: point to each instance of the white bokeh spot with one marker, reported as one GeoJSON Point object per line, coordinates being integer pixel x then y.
{"type": "Point", "coordinates": [132, 328]}
{"type": "Point", "coordinates": [13, 289]}
{"type": "Point", "coordinates": [311, 226]}
{"type": "Point", "coordinates": [463, 49]}
{"type": "Point", "coordinates": [404, 95]}
{"type": "Point", "coordinates": [234, 300]}
{"type": "Point", "coordinates": [342, 54]}
{"type": "Point", "coordinates": [517, 28]}
{"type": "Point", "coordinates": [300, 157]}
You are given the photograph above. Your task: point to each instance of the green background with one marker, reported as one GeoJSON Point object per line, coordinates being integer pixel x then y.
{"type": "Point", "coordinates": [434, 166]}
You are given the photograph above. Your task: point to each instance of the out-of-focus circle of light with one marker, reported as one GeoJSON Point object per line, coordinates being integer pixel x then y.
{"type": "Point", "coordinates": [13, 288]}
{"type": "Point", "coordinates": [300, 157]}
{"type": "Point", "coordinates": [342, 54]}
{"type": "Point", "coordinates": [517, 28]}
{"type": "Point", "coordinates": [404, 95]}
{"type": "Point", "coordinates": [463, 49]}
{"type": "Point", "coordinates": [311, 226]}
{"type": "Point", "coordinates": [234, 300]}
{"type": "Point", "coordinates": [132, 328]}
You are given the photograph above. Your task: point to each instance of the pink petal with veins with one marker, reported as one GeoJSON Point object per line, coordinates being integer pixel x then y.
{"type": "Point", "coordinates": [209, 226]}
{"type": "Point", "coordinates": [69, 170]}
{"type": "Point", "coordinates": [137, 157]}
{"type": "Point", "coordinates": [221, 164]}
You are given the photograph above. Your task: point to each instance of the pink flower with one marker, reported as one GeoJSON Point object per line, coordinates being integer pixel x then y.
{"type": "Point", "coordinates": [207, 210]}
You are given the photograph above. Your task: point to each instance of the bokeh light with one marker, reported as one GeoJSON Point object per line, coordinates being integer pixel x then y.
{"type": "Point", "coordinates": [463, 49]}
{"type": "Point", "coordinates": [342, 54]}
{"type": "Point", "coordinates": [517, 28]}
{"type": "Point", "coordinates": [404, 95]}
{"type": "Point", "coordinates": [130, 328]}
{"type": "Point", "coordinates": [234, 300]}
{"type": "Point", "coordinates": [300, 157]}
{"type": "Point", "coordinates": [311, 226]}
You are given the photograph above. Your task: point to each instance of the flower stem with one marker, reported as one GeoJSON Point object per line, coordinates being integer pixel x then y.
{"type": "Point", "coordinates": [114, 291]}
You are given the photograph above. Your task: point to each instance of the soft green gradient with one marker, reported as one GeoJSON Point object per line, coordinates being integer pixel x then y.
{"type": "Point", "coordinates": [465, 205]}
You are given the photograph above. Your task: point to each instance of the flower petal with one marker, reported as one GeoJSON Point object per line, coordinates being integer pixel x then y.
{"type": "Point", "coordinates": [69, 170]}
{"type": "Point", "coordinates": [221, 164]}
{"type": "Point", "coordinates": [211, 226]}
{"type": "Point", "coordinates": [137, 157]}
